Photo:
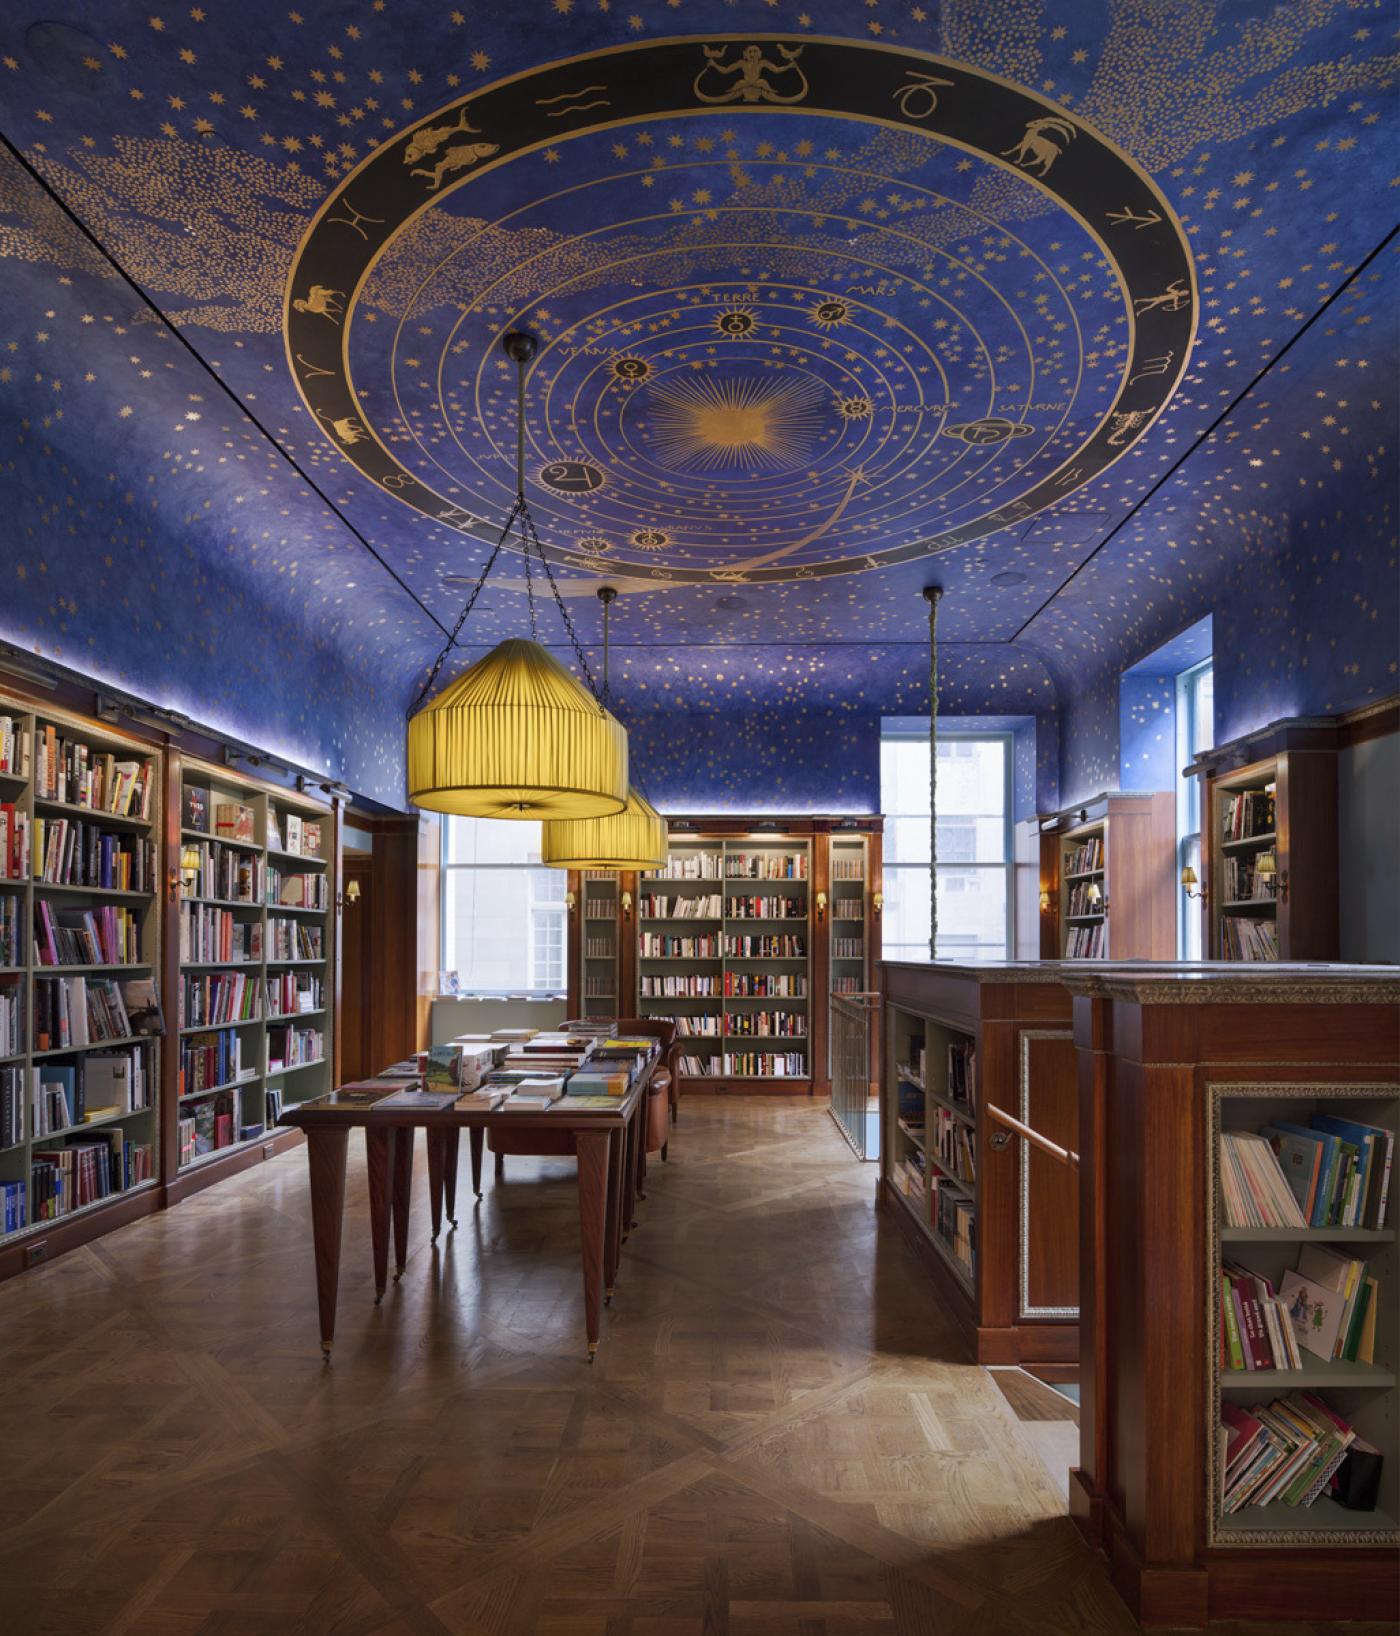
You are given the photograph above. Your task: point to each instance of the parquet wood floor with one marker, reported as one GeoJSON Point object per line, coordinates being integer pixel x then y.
{"type": "Point", "coordinates": [780, 1436]}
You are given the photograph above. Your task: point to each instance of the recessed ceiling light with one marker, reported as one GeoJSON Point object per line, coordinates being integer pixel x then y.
{"type": "Point", "coordinates": [1008, 577]}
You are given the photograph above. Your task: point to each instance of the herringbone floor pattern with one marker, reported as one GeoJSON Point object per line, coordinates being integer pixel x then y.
{"type": "Point", "coordinates": [779, 1438]}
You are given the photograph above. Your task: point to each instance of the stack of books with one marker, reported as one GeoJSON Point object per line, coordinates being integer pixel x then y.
{"type": "Point", "coordinates": [1337, 1169]}
{"type": "Point", "coordinates": [1291, 1451]}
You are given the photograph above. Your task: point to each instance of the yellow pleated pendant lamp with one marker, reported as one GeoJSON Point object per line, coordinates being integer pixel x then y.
{"type": "Point", "coordinates": [515, 736]}
{"type": "Point", "coordinates": [635, 838]}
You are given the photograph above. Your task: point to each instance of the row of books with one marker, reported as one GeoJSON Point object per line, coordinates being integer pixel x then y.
{"type": "Point", "coordinates": [769, 946]}
{"type": "Point", "coordinates": [289, 1047]}
{"type": "Point", "coordinates": [1244, 937]}
{"type": "Point", "coordinates": [847, 948]}
{"type": "Point", "coordinates": [693, 1067]}
{"type": "Point", "coordinates": [11, 930]}
{"type": "Point", "coordinates": [294, 833]}
{"type": "Point", "coordinates": [75, 773]}
{"type": "Point", "coordinates": [765, 866]}
{"type": "Point", "coordinates": [598, 909]}
{"type": "Point", "coordinates": [290, 993]}
{"type": "Point", "coordinates": [222, 997]}
{"type": "Point", "coordinates": [78, 1011]}
{"type": "Point", "coordinates": [208, 934]}
{"type": "Point", "coordinates": [660, 946]}
{"type": "Point", "coordinates": [688, 866]}
{"type": "Point", "coordinates": [70, 852]}
{"type": "Point", "coordinates": [1245, 881]}
{"type": "Point", "coordinates": [1085, 898]}
{"type": "Point", "coordinates": [599, 988]}
{"type": "Point", "coordinates": [848, 909]}
{"type": "Point", "coordinates": [14, 842]}
{"type": "Point", "coordinates": [1331, 1172]}
{"type": "Point", "coordinates": [694, 1026]}
{"type": "Point", "coordinates": [954, 1145]}
{"type": "Point", "coordinates": [1327, 1306]}
{"type": "Point", "coordinates": [294, 940]}
{"type": "Point", "coordinates": [85, 1171]}
{"type": "Point", "coordinates": [211, 869]}
{"type": "Point", "coordinates": [748, 985]}
{"type": "Point", "coordinates": [209, 1060]}
{"type": "Point", "coordinates": [11, 1019]}
{"type": "Point", "coordinates": [678, 987]}
{"type": "Point", "coordinates": [1248, 813]}
{"type": "Point", "coordinates": [953, 1217]}
{"type": "Point", "coordinates": [1293, 1451]}
{"type": "Point", "coordinates": [765, 908]}
{"type": "Point", "coordinates": [102, 936]}
{"type": "Point", "coordinates": [766, 1064]}
{"type": "Point", "coordinates": [774, 1024]}
{"type": "Point", "coordinates": [962, 1073]}
{"type": "Point", "coordinates": [1086, 942]}
{"type": "Point", "coordinates": [599, 948]}
{"type": "Point", "coordinates": [235, 821]}
{"type": "Point", "coordinates": [208, 1127]}
{"type": "Point", "coordinates": [306, 890]}
{"type": "Point", "coordinates": [707, 907]}
{"type": "Point", "coordinates": [847, 985]}
{"type": "Point", "coordinates": [97, 1085]}
{"type": "Point", "coordinates": [13, 1098]}
{"type": "Point", "coordinates": [1086, 858]}
{"type": "Point", "coordinates": [14, 1205]}
{"type": "Point", "coordinates": [14, 747]}
{"type": "Point", "coordinates": [847, 868]}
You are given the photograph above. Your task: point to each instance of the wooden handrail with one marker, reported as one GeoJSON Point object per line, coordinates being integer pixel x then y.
{"type": "Point", "coordinates": [1065, 1155]}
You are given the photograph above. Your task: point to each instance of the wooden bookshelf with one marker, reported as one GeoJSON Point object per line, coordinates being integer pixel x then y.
{"type": "Point", "coordinates": [999, 1235]}
{"type": "Point", "coordinates": [278, 921]}
{"type": "Point", "coordinates": [1167, 1059]}
{"type": "Point", "coordinates": [1108, 868]}
{"type": "Point", "coordinates": [598, 901]}
{"type": "Point", "coordinates": [26, 968]}
{"type": "Point", "coordinates": [1270, 852]}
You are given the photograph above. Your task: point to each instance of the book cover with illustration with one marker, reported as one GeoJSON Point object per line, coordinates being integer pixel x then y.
{"type": "Point", "coordinates": [1314, 1312]}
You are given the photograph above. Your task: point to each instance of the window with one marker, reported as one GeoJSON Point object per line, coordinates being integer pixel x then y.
{"type": "Point", "coordinates": [504, 923]}
{"type": "Point", "coordinates": [1195, 731]}
{"type": "Point", "coordinates": [974, 845]}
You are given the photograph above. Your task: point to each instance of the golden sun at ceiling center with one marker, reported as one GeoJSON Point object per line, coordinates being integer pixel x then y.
{"type": "Point", "coordinates": [704, 424]}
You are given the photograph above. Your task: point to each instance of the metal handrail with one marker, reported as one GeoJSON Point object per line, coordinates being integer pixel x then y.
{"type": "Point", "coordinates": [1066, 1156]}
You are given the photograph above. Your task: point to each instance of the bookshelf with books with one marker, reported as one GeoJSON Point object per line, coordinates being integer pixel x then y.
{"type": "Point", "coordinates": [597, 894]}
{"type": "Point", "coordinates": [1240, 1305]}
{"type": "Point", "coordinates": [1112, 881]}
{"type": "Point", "coordinates": [255, 961]}
{"type": "Point", "coordinates": [79, 954]}
{"type": "Point", "coordinates": [1271, 880]}
{"type": "Point", "coordinates": [996, 1220]}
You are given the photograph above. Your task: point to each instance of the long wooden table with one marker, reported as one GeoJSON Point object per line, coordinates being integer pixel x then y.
{"type": "Point", "coordinates": [610, 1145]}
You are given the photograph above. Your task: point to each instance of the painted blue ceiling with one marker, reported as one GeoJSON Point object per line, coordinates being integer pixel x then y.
{"type": "Point", "coordinates": [778, 338]}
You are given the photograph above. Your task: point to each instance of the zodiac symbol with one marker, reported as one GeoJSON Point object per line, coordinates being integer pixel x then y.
{"type": "Point", "coordinates": [1154, 366]}
{"type": "Point", "coordinates": [1125, 421]}
{"type": "Point", "coordinates": [454, 517]}
{"type": "Point", "coordinates": [751, 85]}
{"type": "Point", "coordinates": [431, 138]}
{"type": "Point", "coordinates": [1012, 513]}
{"type": "Point", "coordinates": [346, 428]}
{"type": "Point", "coordinates": [458, 158]}
{"type": "Point", "coordinates": [650, 539]}
{"type": "Point", "coordinates": [1172, 299]}
{"type": "Point", "coordinates": [1073, 475]}
{"type": "Point", "coordinates": [396, 480]}
{"type": "Point", "coordinates": [353, 220]}
{"type": "Point", "coordinates": [991, 429]}
{"type": "Point", "coordinates": [322, 302]}
{"type": "Point", "coordinates": [1122, 218]}
{"type": "Point", "coordinates": [631, 369]}
{"type": "Point", "coordinates": [312, 370]}
{"type": "Point", "coordinates": [730, 576]}
{"type": "Point", "coordinates": [1043, 143]}
{"type": "Point", "coordinates": [595, 545]}
{"type": "Point", "coordinates": [922, 86]}
{"type": "Point", "coordinates": [571, 477]}
{"type": "Point", "coordinates": [575, 106]}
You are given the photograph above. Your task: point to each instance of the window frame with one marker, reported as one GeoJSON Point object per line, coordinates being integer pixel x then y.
{"type": "Point", "coordinates": [1006, 740]}
{"type": "Point", "coordinates": [502, 991]}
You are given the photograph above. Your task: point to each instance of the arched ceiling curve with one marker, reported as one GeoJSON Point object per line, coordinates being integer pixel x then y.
{"type": "Point", "coordinates": [818, 325]}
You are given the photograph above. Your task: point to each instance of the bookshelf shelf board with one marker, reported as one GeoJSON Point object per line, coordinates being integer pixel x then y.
{"type": "Point", "coordinates": [1238, 905]}
{"type": "Point", "coordinates": [749, 920]}
{"type": "Point", "coordinates": [1266, 839]}
{"type": "Point", "coordinates": [954, 1182]}
{"type": "Point", "coordinates": [65, 809]}
{"type": "Point", "coordinates": [294, 1067]}
{"type": "Point", "coordinates": [957, 1109]}
{"type": "Point", "coordinates": [90, 891]}
{"type": "Point", "coordinates": [93, 1045]}
{"type": "Point", "coordinates": [50, 1222]}
{"type": "Point", "coordinates": [291, 1016]}
{"type": "Point", "coordinates": [1306, 1235]}
{"type": "Point", "coordinates": [913, 1136]}
{"type": "Point", "coordinates": [12, 971]}
{"type": "Point", "coordinates": [1321, 1514]}
{"type": "Point", "coordinates": [609, 918]}
{"type": "Point", "coordinates": [14, 778]}
{"type": "Point", "coordinates": [766, 999]}
{"type": "Point", "coordinates": [296, 857]}
{"type": "Point", "coordinates": [213, 1090]}
{"type": "Point", "coordinates": [19, 1056]}
{"type": "Point", "coordinates": [208, 1028]}
{"type": "Point", "coordinates": [680, 959]}
{"type": "Point", "coordinates": [221, 1152]}
{"type": "Point", "coordinates": [223, 903]}
{"type": "Point", "coordinates": [1318, 1372]}
{"type": "Point", "coordinates": [218, 965]}
{"type": "Point", "coordinates": [91, 1124]}
{"type": "Point", "coordinates": [294, 909]}
{"type": "Point", "coordinates": [1077, 920]}
{"type": "Point", "coordinates": [318, 960]}
{"type": "Point", "coordinates": [1086, 874]}
{"type": "Point", "coordinates": [14, 1147]}
{"type": "Point", "coordinates": [84, 971]}
{"type": "Point", "coordinates": [208, 835]}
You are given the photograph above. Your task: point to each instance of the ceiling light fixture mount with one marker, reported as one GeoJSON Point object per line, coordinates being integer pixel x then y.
{"type": "Point", "coordinates": [515, 735]}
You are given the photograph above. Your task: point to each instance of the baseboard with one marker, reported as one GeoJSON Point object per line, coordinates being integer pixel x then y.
{"type": "Point", "coordinates": [214, 1171]}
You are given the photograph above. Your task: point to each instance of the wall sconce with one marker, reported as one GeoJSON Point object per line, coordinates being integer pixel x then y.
{"type": "Point", "coordinates": [821, 905]}
{"type": "Point", "coordinates": [1045, 903]}
{"type": "Point", "coordinates": [626, 901]}
{"type": "Point", "coordinates": [1188, 880]}
{"type": "Point", "coordinates": [878, 902]}
{"type": "Point", "coordinates": [352, 891]}
{"type": "Point", "coordinates": [1267, 866]}
{"type": "Point", "coordinates": [1095, 896]}
{"type": "Point", "coordinates": [569, 901]}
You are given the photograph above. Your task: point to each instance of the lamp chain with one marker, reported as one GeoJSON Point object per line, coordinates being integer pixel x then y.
{"type": "Point", "coordinates": [934, 594]}
{"type": "Point", "coordinates": [451, 642]}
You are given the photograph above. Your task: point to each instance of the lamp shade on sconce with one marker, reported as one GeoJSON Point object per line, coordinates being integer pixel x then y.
{"type": "Point", "coordinates": [635, 838]}
{"type": "Point", "coordinates": [515, 736]}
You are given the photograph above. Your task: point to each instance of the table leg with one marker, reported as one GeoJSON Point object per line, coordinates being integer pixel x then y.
{"type": "Point", "coordinates": [592, 1214]}
{"type": "Point", "coordinates": [613, 1235]}
{"type": "Point", "coordinates": [325, 1155]}
{"type": "Point", "coordinates": [478, 1136]}
{"type": "Point", "coordinates": [436, 1165]}
{"type": "Point", "coordinates": [643, 1130]}
{"type": "Point", "coordinates": [379, 1142]}
{"type": "Point", "coordinates": [629, 1171]}
{"type": "Point", "coordinates": [403, 1192]}
{"type": "Point", "coordinates": [451, 1146]}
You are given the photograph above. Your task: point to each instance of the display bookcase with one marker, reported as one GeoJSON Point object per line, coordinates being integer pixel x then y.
{"type": "Point", "coordinates": [1109, 869]}
{"type": "Point", "coordinates": [849, 914]}
{"type": "Point", "coordinates": [256, 960]}
{"type": "Point", "coordinates": [600, 951]}
{"type": "Point", "coordinates": [47, 896]}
